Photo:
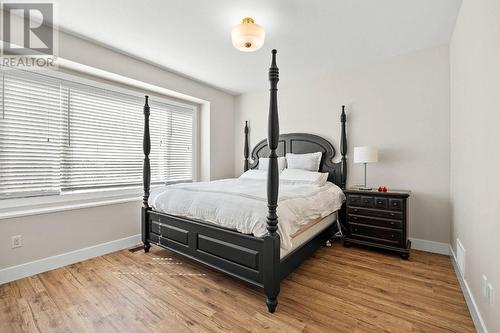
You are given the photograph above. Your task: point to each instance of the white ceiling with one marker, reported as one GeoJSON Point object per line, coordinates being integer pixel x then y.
{"type": "Point", "coordinates": [313, 37]}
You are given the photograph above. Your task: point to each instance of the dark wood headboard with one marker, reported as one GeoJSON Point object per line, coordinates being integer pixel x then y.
{"type": "Point", "coordinates": [303, 143]}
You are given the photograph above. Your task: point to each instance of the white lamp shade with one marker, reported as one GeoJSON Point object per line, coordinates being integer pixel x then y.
{"type": "Point", "coordinates": [365, 154]}
{"type": "Point", "coordinates": [248, 36]}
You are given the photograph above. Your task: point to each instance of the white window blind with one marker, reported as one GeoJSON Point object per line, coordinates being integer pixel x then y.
{"type": "Point", "coordinates": [59, 136]}
{"type": "Point", "coordinates": [172, 145]}
{"type": "Point", "coordinates": [30, 136]}
{"type": "Point", "coordinates": [104, 145]}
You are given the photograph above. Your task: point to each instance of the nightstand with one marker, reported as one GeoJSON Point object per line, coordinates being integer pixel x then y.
{"type": "Point", "coordinates": [378, 219]}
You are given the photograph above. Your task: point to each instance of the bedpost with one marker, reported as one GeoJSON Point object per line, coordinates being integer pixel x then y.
{"type": "Point", "coordinates": [146, 176]}
{"type": "Point", "coordinates": [246, 149]}
{"type": "Point", "coordinates": [272, 239]}
{"type": "Point", "coordinates": [342, 215]}
{"type": "Point", "coordinates": [273, 133]}
{"type": "Point", "coordinates": [343, 149]}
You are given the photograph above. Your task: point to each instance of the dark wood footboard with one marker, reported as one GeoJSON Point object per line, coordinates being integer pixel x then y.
{"type": "Point", "coordinates": [223, 249]}
{"type": "Point", "coordinates": [226, 250]}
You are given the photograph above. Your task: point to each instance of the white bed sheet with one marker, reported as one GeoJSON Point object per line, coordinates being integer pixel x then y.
{"type": "Point", "coordinates": [242, 204]}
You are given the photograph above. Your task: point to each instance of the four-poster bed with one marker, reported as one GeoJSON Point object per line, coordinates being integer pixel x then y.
{"type": "Point", "coordinates": [253, 259]}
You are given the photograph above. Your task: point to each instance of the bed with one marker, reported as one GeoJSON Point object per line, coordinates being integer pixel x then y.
{"type": "Point", "coordinates": [233, 225]}
{"type": "Point", "coordinates": [240, 204]}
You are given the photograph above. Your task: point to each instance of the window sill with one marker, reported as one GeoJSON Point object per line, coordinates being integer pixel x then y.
{"type": "Point", "coordinates": [12, 208]}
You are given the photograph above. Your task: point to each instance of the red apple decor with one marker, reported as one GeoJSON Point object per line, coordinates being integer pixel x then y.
{"type": "Point", "coordinates": [382, 189]}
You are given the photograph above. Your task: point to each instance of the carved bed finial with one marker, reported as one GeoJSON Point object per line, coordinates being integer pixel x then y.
{"type": "Point", "coordinates": [274, 71]}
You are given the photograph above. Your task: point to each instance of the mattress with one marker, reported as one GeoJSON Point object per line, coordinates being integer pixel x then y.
{"type": "Point", "coordinates": [241, 205]}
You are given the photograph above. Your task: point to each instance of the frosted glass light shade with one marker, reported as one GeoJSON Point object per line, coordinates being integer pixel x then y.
{"type": "Point", "coordinates": [248, 36]}
{"type": "Point", "coordinates": [365, 154]}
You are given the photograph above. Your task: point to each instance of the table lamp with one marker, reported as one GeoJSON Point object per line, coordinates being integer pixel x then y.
{"type": "Point", "coordinates": [365, 155]}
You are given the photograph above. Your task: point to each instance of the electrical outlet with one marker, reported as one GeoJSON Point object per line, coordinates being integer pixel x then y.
{"type": "Point", "coordinates": [17, 241]}
{"type": "Point", "coordinates": [490, 293]}
{"type": "Point", "coordinates": [484, 286]}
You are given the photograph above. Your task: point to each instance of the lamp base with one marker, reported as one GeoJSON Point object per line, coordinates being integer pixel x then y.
{"type": "Point", "coordinates": [362, 188]}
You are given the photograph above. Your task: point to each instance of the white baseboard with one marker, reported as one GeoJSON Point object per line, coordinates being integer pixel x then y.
{"type": "Point", "coordinates": [46, 264]}
{"type": "Point", "coordinates": [430, 246]}
{"type": "Point", "coordinates": [469, 298]}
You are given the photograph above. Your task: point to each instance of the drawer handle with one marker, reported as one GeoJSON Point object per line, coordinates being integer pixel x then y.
{"type": "Point", "coordinates": [395, 203]}
{"type": "Point", "coordinates": [355, 217]}
{"type": "Point", "coordinates": [392, 236]}
{"type": "Point", "coordinates": [392, 223]}
{"type": "Point", "coordinates": [355, 229]}
{"type": "Point", "coordinates": [393, 214]}
{"type": "Point", "coordinates": [379, 201]}
{"type": "Point", "coordinates": [356, 210]}
{"type": "Point", "coordinates": [367, 201]}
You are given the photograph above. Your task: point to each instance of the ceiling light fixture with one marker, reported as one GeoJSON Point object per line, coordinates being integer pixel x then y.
{"type": "Point", "coordinates": [248, 36]}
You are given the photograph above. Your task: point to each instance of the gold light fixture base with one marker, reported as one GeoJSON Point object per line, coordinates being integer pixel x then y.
{"type": "Point", "coordinates": [248, 20]}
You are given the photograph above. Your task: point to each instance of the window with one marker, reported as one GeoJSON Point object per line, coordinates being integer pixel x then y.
{"type": "Point", "coordinates": [58, 136]}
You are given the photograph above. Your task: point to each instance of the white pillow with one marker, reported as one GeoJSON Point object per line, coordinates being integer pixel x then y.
{"type": "Point", "coordinates": [308, 162]}
{"type": "Point", "coordinates": [298, 176]}
{"type": "Point", "coordinates": [254, 175]}
{"type": "Point", "coordinates": [264, 163]}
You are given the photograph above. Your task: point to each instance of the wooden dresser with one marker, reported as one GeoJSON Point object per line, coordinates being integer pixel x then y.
{"type": "Point", "coordinates": [378, 219]}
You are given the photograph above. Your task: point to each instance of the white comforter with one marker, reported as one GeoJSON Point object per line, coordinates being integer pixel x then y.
{"type": "Point", "coordinates": [241, 204]}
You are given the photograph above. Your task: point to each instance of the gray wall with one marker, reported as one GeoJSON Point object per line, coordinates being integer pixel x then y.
{"type": "Point", "coordinates": [46, 235]}
{"type": "Point", "coordinates": [400, 106]}
{"type": "Point", "coordinates": [475, 154]}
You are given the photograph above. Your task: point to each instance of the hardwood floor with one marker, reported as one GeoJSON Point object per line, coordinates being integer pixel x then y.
{"type": "Point", "coordinates": [337, 290]}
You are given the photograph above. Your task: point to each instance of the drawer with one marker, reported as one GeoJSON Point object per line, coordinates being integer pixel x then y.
{"type": "Point", "coordinates": [367, 201]}
{"type": "Point", "coordinates": [360, 200]}
{"type": "Point", "coordinates": [381, 203]}
{"type": "Point", "coordinates": [396, 204]}
{"type": "Point", "coordinates": [376, 234]}
{"type": "Point", "coordinates": [378, 213]}
{"type": "Point", "coordinates": [354, 200]}
{"type": "Point", "coordinates": [376, 221]}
